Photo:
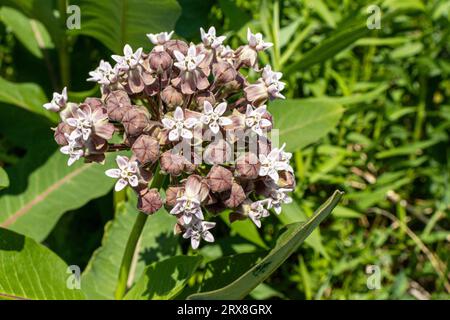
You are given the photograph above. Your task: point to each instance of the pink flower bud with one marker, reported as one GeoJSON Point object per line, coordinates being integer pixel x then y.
{"type": "Point", "coordinates": [135, 121]}
{"type": "Point", "coordinates": [149, 201]}
{"type": "Point", "coordinates": [224, 72]}
{"type": "Point", "coordinates": [172, 97]}
{"type": "Point", "coordinates": [172, 194]}
{"type": "Point", "coordinates": [220, 179]}
{"type": "Point", "coordinates": [236, 197]}
{"type": "Point", "coordinates": [248, 166]}
{"type": "Point", "coordinates": [172, 164]}
{"type": "Point", "coordinates": [146, 149]}
{"type": "Point", "coordinates": [117, 104]}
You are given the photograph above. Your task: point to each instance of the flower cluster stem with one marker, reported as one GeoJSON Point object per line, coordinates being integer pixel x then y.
{"type": "Point", "coordinates": [133, 240]}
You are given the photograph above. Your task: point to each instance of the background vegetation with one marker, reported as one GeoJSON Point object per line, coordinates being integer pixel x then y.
{"type": "Point", "coordinates": [368, 112]}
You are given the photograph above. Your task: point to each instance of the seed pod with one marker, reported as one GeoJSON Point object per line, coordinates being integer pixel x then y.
{"type": "Point", "coordinates": [135, 121]}
{"type": "Point", "coordinates": [172, 164]}
{"type": "Point", "coordinates": [236, 197]}
{"type": "Point", "coordinates": [247, 166]}
{"type": "Point", "coordinates": [146, 149]}
{"type": "Point", "coordinates": [149, 201]}
{"type": "Point", "coordinates": [220, 179]}
{"type": "Point", "coordinates": [224, 72]}
{"type": "Point", "coordinates": [172, 97]}
{"type": "Point", "coordinates": [117, 104]}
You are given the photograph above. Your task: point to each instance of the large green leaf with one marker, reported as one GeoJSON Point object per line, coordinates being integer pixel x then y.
{"type": "Point", "coordinates": [4, 180]}
{"type": "Point", "coordinates": [28, 96]}
{"type": "Point", "coordinates": [29, 270]}
{"type": "Point", "coordinates": [31, 33]}
{"type": "Point", "coordinates": [287, 243]}
{"type": "Point", "coordinates": [33, 204]}
{"type": "Point", "coordinates": [304, 121]}
{"type": "Point", "coordinates": [164, 280]}
{"type": "Point", "coordinates": [157, 243]}
{"type": "Point", "coordinates": [43, 11]}
{"type": "Point", "coordinates": [118, 22]}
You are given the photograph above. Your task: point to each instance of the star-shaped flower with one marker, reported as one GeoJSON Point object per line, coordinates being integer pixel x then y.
{"type": "Point", "coordinates": [273, 83]}
{"type": "Point", "coordinates": [189, 62]}
{"type": "Point", "coordinates": [130, 60]}
{"type": "Point", "coordinates": [257, 212]}
{"type": "Point", "coordinates": [179, 126]}
{"type": "Point", "coordinates": [255, 41]}
{"type": "Point", "coordinates": [210, 39]}
{"type": "Point", "coordinates": [199, 230]}
{"type": "Point", "coordinates": [74, 150]}
{"type": "Point", "coordinates": [160, 38]}
{"type": "Point", "coordinates": [213, 116]}
{"type": "Point", "coordinates": [58, 102]}
{"type": "Point", "coordinates": [126, 173]}
{"type": "Point", "coordinates": [254, 119]}
{"type": "Point", "coordinates": [105, 74]}
{"type": "Point", "coordinates": [277, 198]}
{"type": "Point", "coordinates": [272, 163]}
{"type": "Point", "coordinates": [86, 121]}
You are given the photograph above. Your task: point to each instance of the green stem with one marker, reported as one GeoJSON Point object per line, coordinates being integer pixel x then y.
{"type": "Point", "coordinates": [133, 239]}
{"type": "Point", "coordinates": [63, 50]}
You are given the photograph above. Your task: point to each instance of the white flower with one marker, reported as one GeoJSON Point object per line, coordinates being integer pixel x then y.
{"type": "Point", "coordinates": [74, 150]}
{"type": "Point", "coordinates": [178, 126]}
{"type": "Point", "coordinates": [257, 212]}
{"type": "Point", "coordinates": [127, 173]}
{"type": "Point", "coordinates": [210, 39]}
{"type": "Point", "coordinates": [105, 74]}
{"type": "Point", "coordinates": [188, 207]}
{"type": "Point", "coordinates": [58, 102]}
{"type": "Point", "coordinates": [273, 83]}
{"type": "Point", "coordinates": [256, 42]}
{"type": "Point", "coordinates": [130, 60]}
{"type": "Point", "coordinates": [189, 62]}
{"type": "Point", "coordinates": [213, 116]}
{"type": "Point", "coordinates": [275, 161]}
{"type": "Point", "coordinates": [254, 119]}
{"type": "Point", "coordinates": [85, 122]}
{"type": "Point", "coordinates": [277, 198]}
{"type": "Point", "coordinates": [199, 230]}
{"type": "Point", "coordinates": [160, 38]}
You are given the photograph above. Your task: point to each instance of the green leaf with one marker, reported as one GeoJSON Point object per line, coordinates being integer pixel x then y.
{"type": "Point", "coordinates": [119, 22]}
{"type": "Point", "coordinates": [33, 204]}
{"type": "Point", "coordinates": [194, 15]}
{"type": "Point", "coordinates": [31, 33]}
{"type": "Point", "coordinates": [164, 280]}
{"type": "Point", "coordinates": [157, 243]}
{"type": "Point", "coordinates": [43, 11]}
{"type": "Point", "coordinates": [29, 270]}
{"type": "Point", "coordinates": [246, 229]}
{"type": "Point", "coordinates": [4, 180]}
{"type": "Point", "coordinates": [28, 96]}
{"type": "Point", "coordinates": [303, 121]}
{"type": "Point", "coordinates": [287, 243]}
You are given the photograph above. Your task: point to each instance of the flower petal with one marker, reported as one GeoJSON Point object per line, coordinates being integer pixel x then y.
{"type": "Point", "coordinates": [120, 185]}
{"type": "Point", "coordinates": [113, 173]}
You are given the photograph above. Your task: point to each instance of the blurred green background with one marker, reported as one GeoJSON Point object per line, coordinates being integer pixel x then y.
{"type": "Point", "coordinates": [368, 112]}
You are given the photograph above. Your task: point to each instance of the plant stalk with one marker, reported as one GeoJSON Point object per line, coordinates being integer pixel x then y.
{"type": "Point", "coordinates": [133, 240]}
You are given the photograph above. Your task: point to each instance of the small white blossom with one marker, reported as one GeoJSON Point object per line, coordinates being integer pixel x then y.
{"type": "Point", "coordinates": [274, 162]}
{"type": "Point", "coordinates": [191, 61]}
{"type": "Point", "coordinates": [178, 126]}
{"type": "Point", "coordinates": [188, 208]}
{"type": "Point", "coordinates": [130, 60]}
{"type": "Point", "coordinates": [160, 38]}
{"type": "Point", "coordinates": [74, 150]}
{"type": "Point", "coordinates": [210, 39]}
{"type": "Point", "coordinates": [277, 198]}
{"type": "Point", "coordinates": [257, 212]}
{"type": "Point", "coordinates": [273, 83]}
{"type": "Point", "coordinates": [105, 74]}
{"type": "Point", "coordinates": [213, 116]}
{"type": "Point", "coordinates": [255, 41]}
{"type": "Point", "coordinates": [199, 230]}
{"type": "Point", "coordinates": [126, 173]}
{"type": "Point", "coordinates": [58, 102]}
{"type": "Point", "coordinates": [254, 119]}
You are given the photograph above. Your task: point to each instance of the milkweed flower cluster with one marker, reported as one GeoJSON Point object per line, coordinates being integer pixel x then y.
{"type": "Point", "coordinates": [189, 111]}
